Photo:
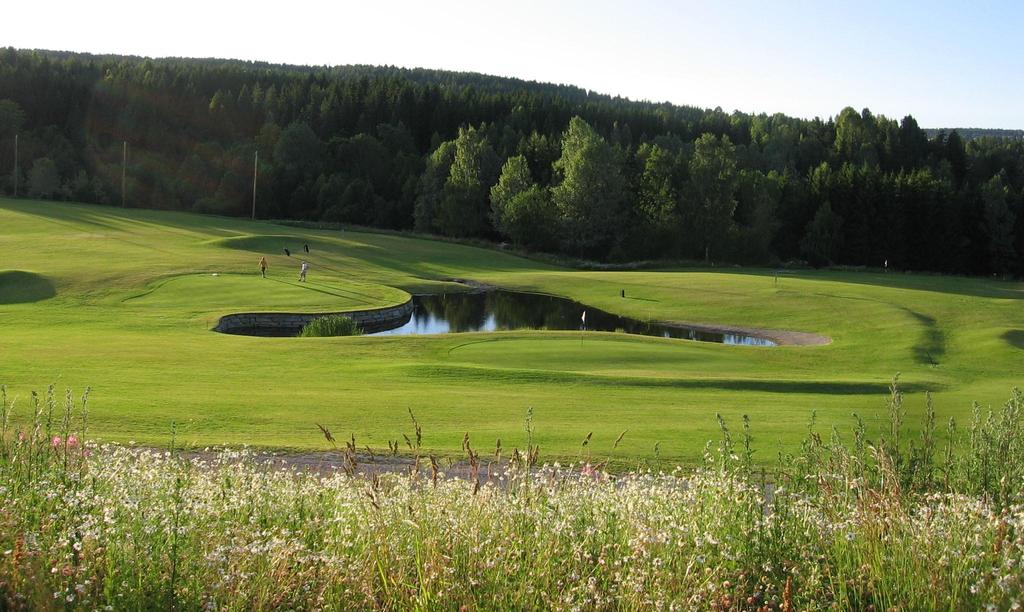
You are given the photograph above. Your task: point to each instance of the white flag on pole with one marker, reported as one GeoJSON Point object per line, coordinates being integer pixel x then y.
{"type": "Point", "coordinates": [584, 317]}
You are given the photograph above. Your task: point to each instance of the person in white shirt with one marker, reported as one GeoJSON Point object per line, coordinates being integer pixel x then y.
{"type": "Point", "coordinates": [302, 271]}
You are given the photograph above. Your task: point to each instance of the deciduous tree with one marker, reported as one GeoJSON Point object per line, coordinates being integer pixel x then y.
{"type": "Point", "coordinates": [712, 189]}
{"type": "Point", "coordinates": [589, 190]}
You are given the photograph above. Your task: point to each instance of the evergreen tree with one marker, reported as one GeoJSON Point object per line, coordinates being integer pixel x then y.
{"type": "Point", "coordinates": [823, 239]}
{"type": "Point", "coordinates": [12, 118]}
{"type": "Point", "coordinates": [999, 224]}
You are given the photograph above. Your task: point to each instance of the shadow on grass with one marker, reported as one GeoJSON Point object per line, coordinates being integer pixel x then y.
{"type": "Point", "coordinates": [65, 214]}
{"type": "Point", "coordinates": [329, 290]}
{"type": "Point", "coordinates": [931, 347]}
{"type": "Point", "coordinates": [475, 375]}
{"type": "Point", "coordinates": [76, 217]}
{"type": "Point", "coordinates": [18, 287]}
{"type": "Point", "coordinates": [274, 244]}
{"type": "Point", "coordinates": [640, 299]}
{"type": "Point", "coordinates": [1015, 337]}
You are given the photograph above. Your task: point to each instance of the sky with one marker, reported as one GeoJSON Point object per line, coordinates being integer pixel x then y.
{"type": "Point", "coordinates": [949, 64]}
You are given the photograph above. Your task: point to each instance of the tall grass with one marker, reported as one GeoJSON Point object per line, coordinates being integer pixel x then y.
{"type": "Point", "coordinates": [847, 522]}
{"type": "Point", "coordinates": [330, 325]}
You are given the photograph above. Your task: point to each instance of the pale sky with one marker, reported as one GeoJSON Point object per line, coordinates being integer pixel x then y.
{"type": "Point", "coordinates": [950, 64]}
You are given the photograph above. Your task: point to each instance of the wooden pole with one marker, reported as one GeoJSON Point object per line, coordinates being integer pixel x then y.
{"type": "Point", "coordinates": [15, 165]}
{"type": "Point", "coordinates": [124, 172]}
{"type": "Point", "coordinates": [255, 167]}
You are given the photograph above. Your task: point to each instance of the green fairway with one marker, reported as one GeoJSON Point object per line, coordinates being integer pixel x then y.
{"type": "Point", "coordinates": [123, 301]}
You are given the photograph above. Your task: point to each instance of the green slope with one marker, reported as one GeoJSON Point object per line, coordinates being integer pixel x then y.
{"type": "Point", "coordinates": [123, 301]}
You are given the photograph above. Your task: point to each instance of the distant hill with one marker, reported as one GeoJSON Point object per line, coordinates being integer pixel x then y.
{"type": "Point", "coordinates": [547, 167]}
{"type": "Point", "coordinates": [445, 79]}
{"type": "Point", "coordinates": [976, 133]}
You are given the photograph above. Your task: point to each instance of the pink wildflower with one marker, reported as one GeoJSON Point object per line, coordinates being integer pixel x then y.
{"type": "Point", "coordinates": [56, 441]}
{"type": "Point", "coordinates": [72, 441]}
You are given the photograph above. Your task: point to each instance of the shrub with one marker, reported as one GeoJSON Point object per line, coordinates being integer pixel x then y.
{"type": "Point", "coordinates": [331, 325]}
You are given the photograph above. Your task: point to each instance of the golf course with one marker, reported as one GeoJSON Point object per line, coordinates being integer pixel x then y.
{"type": "Point", "coordinates": [124, 301]}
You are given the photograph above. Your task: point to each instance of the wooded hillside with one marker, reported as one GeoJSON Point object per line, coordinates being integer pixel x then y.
{"type": "Point", "coordinates": [548, 167]}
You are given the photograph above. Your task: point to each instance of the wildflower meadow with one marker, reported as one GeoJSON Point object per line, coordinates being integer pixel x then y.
{"type": "Point", "coordinates": [845, 523]}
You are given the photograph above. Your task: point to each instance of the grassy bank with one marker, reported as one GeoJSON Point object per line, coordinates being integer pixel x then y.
{"type": "Point", "coordinates": [124, 300]}
{"type": "Point", "coordinates": [847, 522]}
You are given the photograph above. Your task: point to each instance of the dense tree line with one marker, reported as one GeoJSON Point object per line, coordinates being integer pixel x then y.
{"type": "Point", "coordinates": [975, 133]}
{"type": "Point", "coordinates": [546, 167]}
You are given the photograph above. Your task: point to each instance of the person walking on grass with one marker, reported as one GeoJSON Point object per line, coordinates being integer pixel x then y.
{"type": "Point", "coordinates": [302, 272]}
{"type": "Point", "coordinates": [263, 267]}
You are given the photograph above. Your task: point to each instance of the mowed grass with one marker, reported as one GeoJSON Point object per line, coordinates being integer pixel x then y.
{"type": "Point", "coordinates": [123, 301]}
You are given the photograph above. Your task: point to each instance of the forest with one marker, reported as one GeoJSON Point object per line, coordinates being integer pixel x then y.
{"type": "Point", "coordinates": [543, 167]}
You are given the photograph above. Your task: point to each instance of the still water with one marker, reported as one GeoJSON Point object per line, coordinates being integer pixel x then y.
{"type": "Point", "coordinates": [507, 310]}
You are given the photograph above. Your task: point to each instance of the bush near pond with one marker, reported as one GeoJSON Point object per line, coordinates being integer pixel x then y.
{"type": "Point", "coordinates": [331, 325]}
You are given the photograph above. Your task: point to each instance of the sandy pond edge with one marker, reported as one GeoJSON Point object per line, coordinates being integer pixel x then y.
{"type": "Point", "coordinates": [780, 337]}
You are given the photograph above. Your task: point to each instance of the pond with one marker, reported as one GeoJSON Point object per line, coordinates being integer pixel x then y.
{"type": "Point", "coordinates": [510, 310]}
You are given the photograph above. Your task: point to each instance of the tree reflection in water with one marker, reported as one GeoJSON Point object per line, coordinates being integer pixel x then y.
{"type": "Point", "coordinates": [508, 310]}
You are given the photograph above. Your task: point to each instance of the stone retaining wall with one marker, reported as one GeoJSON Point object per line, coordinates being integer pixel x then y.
{"type": "Point", "coordinates": [373, 320]}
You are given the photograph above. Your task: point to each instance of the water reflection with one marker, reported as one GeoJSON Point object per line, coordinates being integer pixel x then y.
{"type": "Point", "coordinates": [508, 310]}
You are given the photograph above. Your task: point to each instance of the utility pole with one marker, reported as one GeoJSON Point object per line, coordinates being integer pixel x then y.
{"type": "Point", "coordinates": [124, 172]}
{"type": "Point", "coordinates": [255, 166]}
{"type": "Point", "coordinates": [15, 165]}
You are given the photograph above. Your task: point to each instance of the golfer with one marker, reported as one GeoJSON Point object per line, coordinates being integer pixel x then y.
{"type": "Point", "coordinates": [302, 271]}
{"type": "Point", "coordinates": [263, 267]}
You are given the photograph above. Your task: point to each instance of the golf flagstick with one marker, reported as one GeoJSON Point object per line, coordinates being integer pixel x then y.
{"type": "Point", "coordinates": [583, 327]}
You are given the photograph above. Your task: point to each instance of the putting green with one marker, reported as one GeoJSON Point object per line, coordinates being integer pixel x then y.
{"type": "Point", "coordinates": [124, 300]}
